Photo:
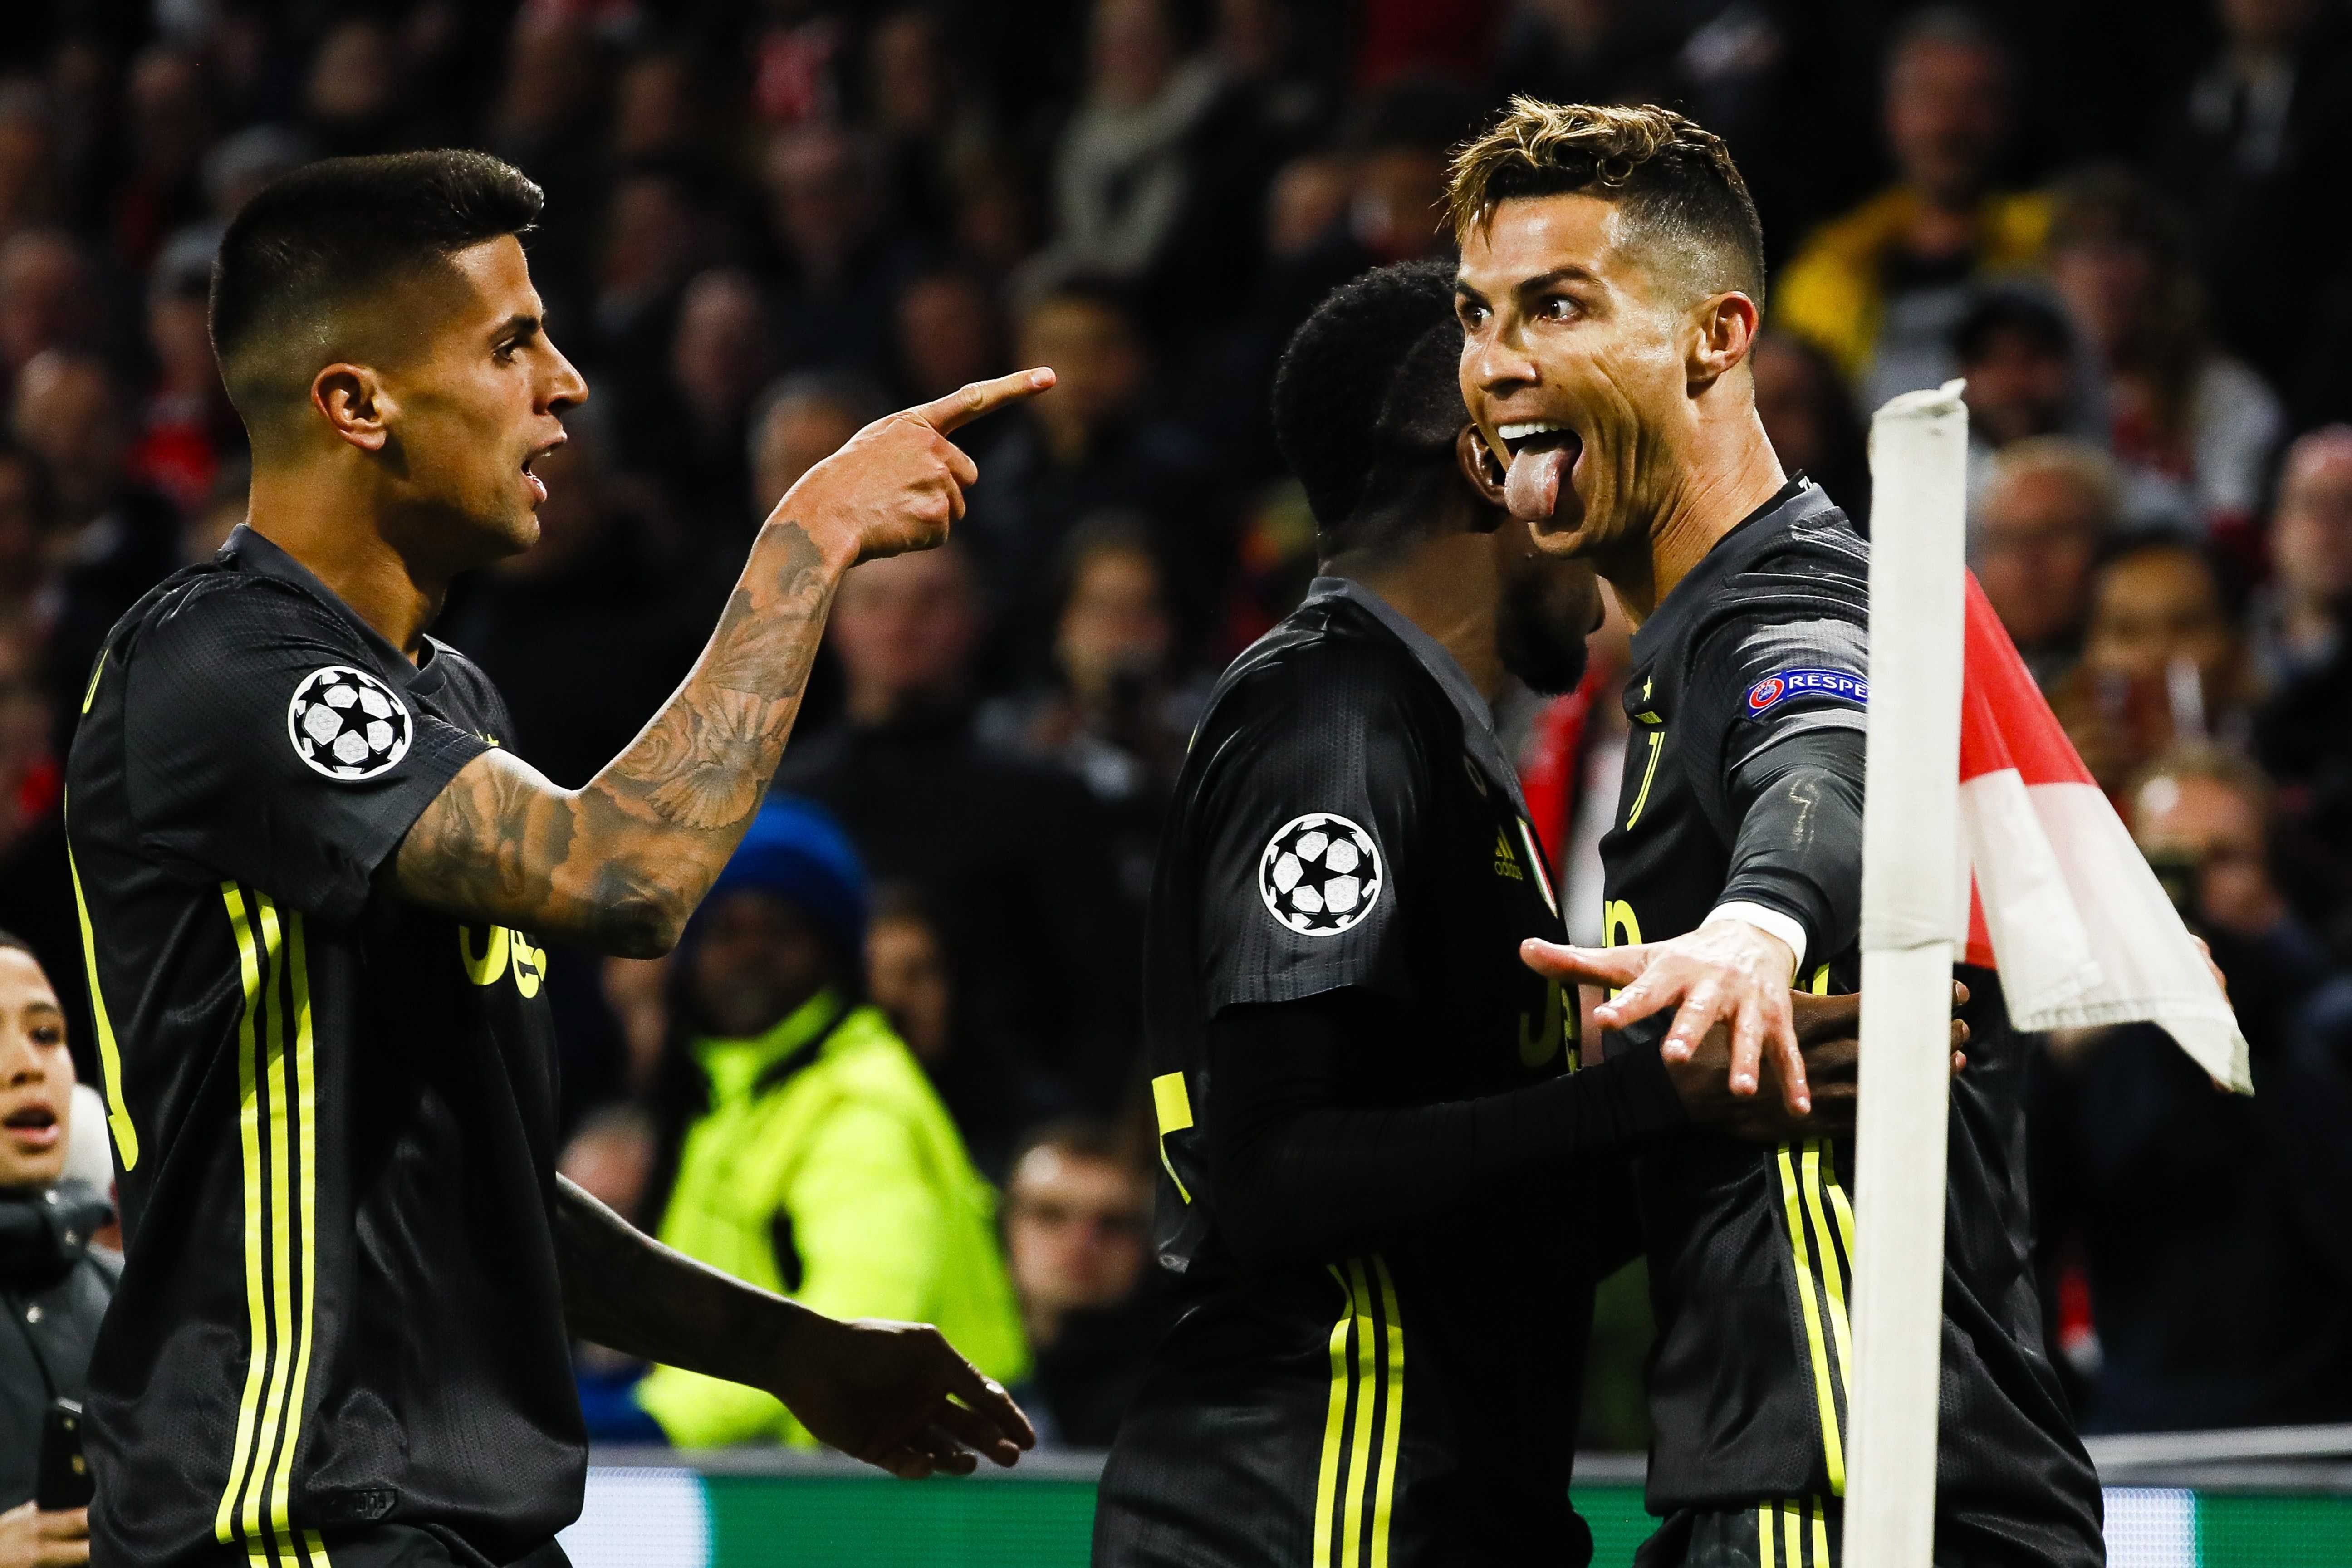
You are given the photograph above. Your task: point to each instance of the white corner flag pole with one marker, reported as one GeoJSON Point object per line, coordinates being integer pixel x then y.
{"type": "Point", "coordinates": [1911, 884]}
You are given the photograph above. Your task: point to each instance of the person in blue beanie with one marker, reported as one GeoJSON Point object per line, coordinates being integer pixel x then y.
{"type": "Point", "coordinates": [810, 1153]}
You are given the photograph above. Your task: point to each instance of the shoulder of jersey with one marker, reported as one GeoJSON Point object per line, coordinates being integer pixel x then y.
{"type": "Point", "coordinates": [1307, 655]}
{"type": "Point", "coordinates": [192, 600]}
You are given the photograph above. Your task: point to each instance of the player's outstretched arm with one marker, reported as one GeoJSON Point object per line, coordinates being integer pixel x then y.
{"type": "Point", "coordinates": [619, 865]}
{"type": "Point", "coordinates": [894, 1394]}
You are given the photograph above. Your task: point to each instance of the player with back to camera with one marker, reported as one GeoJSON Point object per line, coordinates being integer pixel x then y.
{"type": "Point", "coordinates": [1387, 1184]}
{"type": "Point", "coordinates": [315, 880]}
{"type": "Point", "coordinates": [1611, 285]}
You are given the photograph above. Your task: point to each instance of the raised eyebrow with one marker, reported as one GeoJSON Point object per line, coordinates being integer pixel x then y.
{"type": "Point", "coordinates": [1556, 276]}
{"type": "Point", "coordinates": [1465, 295]}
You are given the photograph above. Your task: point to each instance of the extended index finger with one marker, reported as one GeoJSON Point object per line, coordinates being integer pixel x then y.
{"type": "Point", "coordinates": [969, 401]}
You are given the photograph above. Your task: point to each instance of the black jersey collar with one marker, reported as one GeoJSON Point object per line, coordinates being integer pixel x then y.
{"type": "Point", "coordinates": [1477, 718]}
{"type": "Point", "coordinates": [257, 553]}
{"type": "Point", "coordinates": [1797, 500]}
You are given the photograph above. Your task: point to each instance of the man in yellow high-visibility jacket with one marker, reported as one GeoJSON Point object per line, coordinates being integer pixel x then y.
{"type": "Point", "coordinates": [822, 1162]}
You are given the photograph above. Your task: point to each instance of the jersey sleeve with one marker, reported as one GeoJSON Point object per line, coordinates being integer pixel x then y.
{"type": "Point", "coordinates": [1792, 665]}
{"type": "Point", "coordinates": [1305, 833]}
{"type": "Point", "coordinates": [261, 744]}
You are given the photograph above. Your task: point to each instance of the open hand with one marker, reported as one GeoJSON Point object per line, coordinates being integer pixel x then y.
{"type": "Point", "coordinates": [899, 1396]}
{"type": "Point", "coordinates": [897, 485]}
{"type": "Point", "coordinates": [1726, 972]}
{"type": "Point", "coordinates": [30, 1538]}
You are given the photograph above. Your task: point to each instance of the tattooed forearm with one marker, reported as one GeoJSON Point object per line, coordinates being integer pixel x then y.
{"type": "Point", "coordinates": [621, 863]}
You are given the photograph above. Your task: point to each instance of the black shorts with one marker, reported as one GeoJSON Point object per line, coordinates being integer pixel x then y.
{"type": "Point", "coordinates": [384, 1546]}
{"type": "Point", "coordinates": [1803, 1532]}
{"type": "Point", "coordinates": [1278, 1475]}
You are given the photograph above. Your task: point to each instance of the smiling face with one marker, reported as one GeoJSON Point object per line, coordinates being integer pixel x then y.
{"type": "Point", "coordinates": [1571, 346]}
{"type": "Point", "coordinates": [36, 1076]}
{"type": "Point", "coordinates": [472, 395]}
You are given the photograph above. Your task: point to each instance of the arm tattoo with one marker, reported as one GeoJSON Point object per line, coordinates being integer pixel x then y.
{"type": "Point", "coordinates": [620, 864]}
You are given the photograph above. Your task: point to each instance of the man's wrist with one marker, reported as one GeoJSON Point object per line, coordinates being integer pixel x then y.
{"type": "Point", "coordinates": [1770, 921]}
{"type": "Point", "coordinates": [837, 548]}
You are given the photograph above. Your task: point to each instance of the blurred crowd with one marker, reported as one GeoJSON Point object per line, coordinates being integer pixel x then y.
{"type": "Point", "coordinates": [892, 1068]}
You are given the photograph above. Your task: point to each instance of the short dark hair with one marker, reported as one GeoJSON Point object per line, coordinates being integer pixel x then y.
{"type": "Point", "coordinates": [335, 231]}
{"type": "Point", "coordinates": [1368, 402]}
{"type": "Point", "coordinates": [1672, 176]}
{"type": "Point", "coordinates": [2012, 313]}
{"type": "Point", "coordinates": [11, 942]}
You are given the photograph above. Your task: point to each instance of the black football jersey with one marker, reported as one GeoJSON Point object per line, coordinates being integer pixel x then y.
{"type": "Point", "coordinates": [1752, 1249]}
{"type": "Point", "coordinates": [332, 1110]}
{"type": "Point", "coordinates": [1345, 820]}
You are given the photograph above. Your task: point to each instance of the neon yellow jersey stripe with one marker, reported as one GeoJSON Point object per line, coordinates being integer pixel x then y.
{"type": "Point", "coordinates": [1838, 1205]}
{"type": "Point", "coordinates": [1392, 1424]}
{"type": "Point", "coordinates": [281, 1261]}
{"type": "Point", "coordinates": [306, 1174]}
{"type": "Point", "coordinates": [90, 692]}
{"type": "Point", "coordinates": [249, 1123]}
{"type": "Point", "coordinates": [1820, 1536]}
{"type": "Point", "coordinates": [1832, 1271]}
{"type": "Point", "coordinates": [1792, 1533]}
{"type": "Point", "coordinates": [109, 1059]}
{"type": "Point", "coordinates": [1173, 1107]}
{"type": "Point", "coordinates": [1326, 1484]}
{"type": "Point", "coordinates": [1360, 1444]}
{"type": "Point", "coordinates": [1833, 1447]}
{"type": "Point", "coordinates": [1766, 1553]}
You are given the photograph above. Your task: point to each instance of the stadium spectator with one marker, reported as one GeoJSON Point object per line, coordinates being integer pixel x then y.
{"type": "Point", "coordinates": [991, 1082]}
{"type": "Point", "coordinates": [799, 422]}
{"type": "Point", "coordinates": [28, 195]}
{"type": "Point", "coordinates": [1811, 419]}
{"type": "Point", "coordinates": [839, 256]}
{"type": "Point", "coordinates": [1882, 286]}
{"type": "Point", "coordinates": [2253, 155]}
{"type": "Point", "coordinates": [2303, 653]}
{"type": "Point", "coordinates": [117, 537]}
{"type": "Point", "coordinates": [809, 1155]}
{"type": "Point", "coordinates": [1155, 176]}
{"type": "Point", "coordinates": [2163, 662]}
{"type": "Point", "coordinates": [1094, 446]}
{"type": "Point", "coordinates": [693, 437]}
{"type": "Point", "coordinates": [53, 1289]}
{"type": "Point", "coordinates": [946, 335]}
{"type": "Point", "coordinates": [188, 427]}
{"type": "Point", "coordinates": [1117, 712]}
{"type": "Point", "coordinates": [167, 125]}
{"type": "Point", "coordinates": [2180, 411]}
{"type": "Point", "coordinates": [2168, 1188]}
{"type": "Point", "coordinates": [2018, 354]}
{"type": "Point", "coordinates": [36, 886]}
{"type": "Point", "coordinates": [2299, 624]}
{"type": "Point", "coordinates": [49, 299]}
{"type": "Point", "coordinates": [1077, 1224]}
{"type": "Point", "coordinates": [1013, 856]}
{"type": "Point", "coordinates": [2048, 508]}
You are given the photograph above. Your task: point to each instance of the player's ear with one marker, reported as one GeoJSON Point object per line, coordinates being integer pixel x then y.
{"type": "Point", "coordinates": [1723, 330]}
{"type": "Point", "coordinates": [1482, 468]}
{"type": "Point", "coordinates": [352, 400]}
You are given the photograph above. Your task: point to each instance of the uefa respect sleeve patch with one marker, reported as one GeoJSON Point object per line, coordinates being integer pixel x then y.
{"type": "Point", "coordinates": [1842, 685]}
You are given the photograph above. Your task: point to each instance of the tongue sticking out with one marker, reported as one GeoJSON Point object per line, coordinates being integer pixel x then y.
{"type": "Point", "coordinates": [1532, 487]}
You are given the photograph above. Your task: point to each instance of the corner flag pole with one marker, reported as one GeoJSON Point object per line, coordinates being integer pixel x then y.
{"type": "Point", "coordinates": [1914, 885]}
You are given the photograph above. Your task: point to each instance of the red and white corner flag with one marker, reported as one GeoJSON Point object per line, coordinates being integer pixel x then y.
{"type": "Point", "coordinates": [2061, 900]}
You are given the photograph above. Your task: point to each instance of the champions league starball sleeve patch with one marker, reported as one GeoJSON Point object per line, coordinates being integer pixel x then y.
{"type": "Point", "coordinates": [1774, 690]}
{"type": "Point", "coordinates": [347, 725]}
{"type": "Point", "coordinates": [1320, 874]}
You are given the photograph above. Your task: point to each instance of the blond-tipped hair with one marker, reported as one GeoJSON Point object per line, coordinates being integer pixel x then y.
{"type": "Point", "coordinates": [1673, 178]}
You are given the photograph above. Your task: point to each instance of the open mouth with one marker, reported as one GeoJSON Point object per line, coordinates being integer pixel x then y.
{"type": "Point", "coordinates": [539, 486]}
{"type": "Point", "coordinates": [1542, 453]}
{"type": "Point", "coordinates": [34, 1126]}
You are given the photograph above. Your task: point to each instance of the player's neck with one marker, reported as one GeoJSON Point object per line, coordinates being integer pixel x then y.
{"type": "Point", "coordinates": [1444, 584]}
{"type": "Point", "coordinates": [340, 539]}
{"type": "Point", "coordinates": [1731, 473]}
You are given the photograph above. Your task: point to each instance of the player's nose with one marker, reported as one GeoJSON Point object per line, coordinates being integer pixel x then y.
{"type": "Point", "coordinates": [568, 388]}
